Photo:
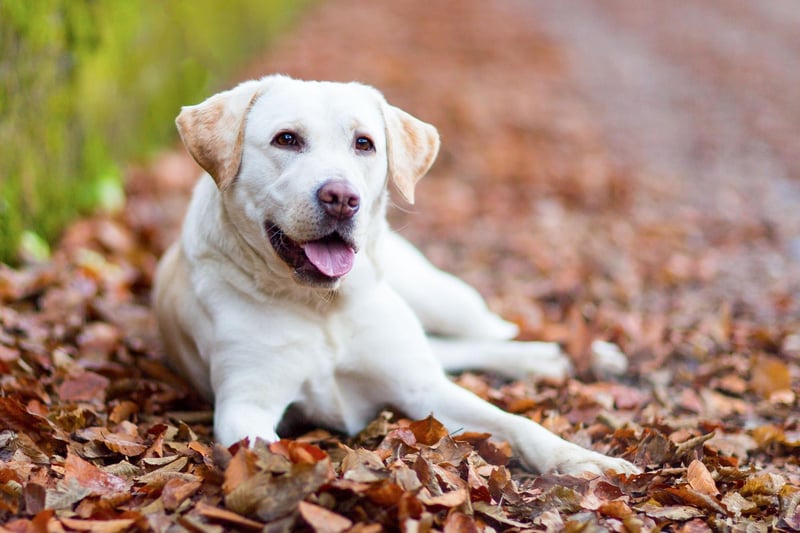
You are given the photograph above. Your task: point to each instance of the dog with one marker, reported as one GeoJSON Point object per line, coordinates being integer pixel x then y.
{"type": "Point", "coordinates": [288, 288]}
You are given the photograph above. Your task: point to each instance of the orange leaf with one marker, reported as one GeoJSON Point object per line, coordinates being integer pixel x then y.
{"type": "Point", "coordinates": [222, 515]}
{"type": "Point", "coordinates": [99, 526]}
{"type": "Point", "coordinates": [323, 520]}
{"type": "Point", "coordinates": [700, 478]}
{"type": "Point", "coordinates": [176, 491]}
{"type": "Point", "coordinates": [460, 523]}
{"type": "Point", "coordinates": [91, 477]}
{"type": "Point", "coordinates": [453, 498]}
{"type": "Point", "coordinates": [298, 452]}
{"type": "Point", "coordinates": [616, 509]}
{"type": "Point", "coordinates": [86, 386]}
{"type": "Point", "coordinates": [241, 468]}
{"type": "Point", "coordinates": [769, 374]}
{"type": "Point", "coordinates": [385, 492]}
{"type": "Point", "coordinates": [428, 431]}
{"type": "Point", "coordinates": [123, 411]}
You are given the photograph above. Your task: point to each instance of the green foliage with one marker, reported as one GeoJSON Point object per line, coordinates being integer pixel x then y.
{"type": "Point", "coordinates": [88, 85]}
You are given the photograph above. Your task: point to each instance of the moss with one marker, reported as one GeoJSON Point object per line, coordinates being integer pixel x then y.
{"type": "Point", "coordinates": [86, 86]}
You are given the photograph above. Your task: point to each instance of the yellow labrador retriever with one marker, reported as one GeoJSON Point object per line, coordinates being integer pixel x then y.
{"type": "Point", "coordinates": [288, 287]}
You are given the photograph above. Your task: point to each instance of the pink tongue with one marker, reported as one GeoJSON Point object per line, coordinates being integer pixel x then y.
{"type": "Point", "coordinates": [333, 259]}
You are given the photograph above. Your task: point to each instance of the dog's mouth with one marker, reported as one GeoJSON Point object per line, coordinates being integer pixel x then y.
{"type": "Point", "coordinates": [318, 261]}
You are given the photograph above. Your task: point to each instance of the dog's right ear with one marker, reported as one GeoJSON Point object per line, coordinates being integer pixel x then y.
{"type": "Point", "coordinates": [213, 131]}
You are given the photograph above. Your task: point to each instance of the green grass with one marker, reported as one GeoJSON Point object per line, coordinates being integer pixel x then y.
{"type": "Point", "coordinates": [87, 85]}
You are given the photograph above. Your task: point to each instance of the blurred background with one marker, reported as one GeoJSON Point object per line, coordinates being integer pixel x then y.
{"type": "Point", "coordinates": [616, 151]}
{"type": "Point", "coordinates": [88, 86]}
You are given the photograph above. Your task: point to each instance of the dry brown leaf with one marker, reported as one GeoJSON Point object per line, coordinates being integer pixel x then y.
{"type": "Point", "coordinates": [700, 478]}
{"type": "Point", "coordinates": [298, 452]}
{"type": "Point", "coordinates": [458, 522]}
{"type": "Point", "coordinates": [124, 440]}
{"type": "Point", "coordinates": [172, 470]}
{"type": "Point", "coordinates": [228, 517]}
{"type": "Point", "coordinates": [175, 491]}
{"type": "Point", "coordinates": [99, 526]}
{"type": "Point", "coordinates": [15, 416]}
{"type": "Point", "coordinates": [323, 520]}
{"type": "Point", "coordinates": [768, 483]}
{"type": "Point", "coordinates": [281, 494]}
{"type": "Point", "coordinates": [363, 465]}
{"type": "Point", "coordinates": [496, 512]}
{"type": "Point", "coordinates": [689, 496]}
{"type": "Point", "coordinates": [123, 411]}
{"type": "Point", "coordinates": [616, 509]}
{"type": "Point", "coordinates": [385, 493]}
{"type": "Point", "coordinates": [453, 498]}
{"type": "Point", "coordinates": [671, 512]}
{"type": "Point", "coordinates": [737, 504]}
{"type": "Point", "coordinates": [91, 477]}
{"type": "Point", "coordinates": [428, 430]}
{"type": "Point", "coordinates": [494, 452]}
{"type": "Point", "coordinates": [240, 469]}
{"type": "Point", "coordinates": [85, 387]}
{"type": "Point", "coordinates": [695, 526]}
{"type": "Point", "coordinates": [768, 375]}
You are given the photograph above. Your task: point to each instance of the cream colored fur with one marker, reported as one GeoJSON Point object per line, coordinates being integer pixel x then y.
{"type": "Point", "coordinates": [255, 336]}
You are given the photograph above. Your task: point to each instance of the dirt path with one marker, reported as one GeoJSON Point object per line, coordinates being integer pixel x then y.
{"type": "Point", "coordinates": [608, 171]}
{"type": "Point", "coordinates": [703, 96]}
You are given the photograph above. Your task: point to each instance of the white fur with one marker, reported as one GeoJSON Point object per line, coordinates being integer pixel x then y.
{"type": "Point", "coordinates": [246, 332]}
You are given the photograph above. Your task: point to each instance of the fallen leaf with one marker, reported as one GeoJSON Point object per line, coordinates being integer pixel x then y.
{"type": "Point", "coordinates": [85, 387]}
{"type": "Point", "coordinates": [737, 504]}
{"type": "Point", "coordinates": [700, 478]}
{"type": "Point", "coordinates": [695, 526]}
{"type": "Point", "coordinates": [671, 512]}
{"type": "Point", "coordinates": [298, 452]}
{"type": "Point", "coordinates": [323, 520]}
{"type": "Point", "coordinates": [175, 491]}
{"type": "Point", "coordinates": [458, 522]}
{"type": "Point", "coordinates": [221, 515]}
{"type": "Point", "coordinates": [769, 374]}
{"type": "Point", "coordinates": [453, 498]}
{"type": "Point", "coordinates": [99, 526]}
{"type": "Point", "coordinates": [767, 483]}
{"type": "Point", "coordinates": [495, 512]}
{"type": "Point", "coordinates": [428, 430]}
{"type": "Point", "coordinates": [241, 468]}
{"type": "Point", "coordinates": [91, 477]}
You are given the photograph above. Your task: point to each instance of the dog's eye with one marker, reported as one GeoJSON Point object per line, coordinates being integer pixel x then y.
{"type": "Point", "coordinates": [364, 144]}
{"type": "Point", "coordinates": [286, 139]}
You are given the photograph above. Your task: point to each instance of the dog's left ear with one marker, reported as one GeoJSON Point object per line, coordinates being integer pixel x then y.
{"type": "Point", "coordinates": [412, 146]}
{"type": "Point", "coordinates": [213, 130]}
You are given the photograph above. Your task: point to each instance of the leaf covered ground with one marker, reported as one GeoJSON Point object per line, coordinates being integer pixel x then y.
{"type": "Point", "coordinates": [696, 280]}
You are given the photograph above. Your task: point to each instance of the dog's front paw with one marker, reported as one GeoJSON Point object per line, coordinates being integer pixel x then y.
{"type": "Point", "coordinates": [588, 462]}
{"type": "Point", "coordinates": [232, 423]}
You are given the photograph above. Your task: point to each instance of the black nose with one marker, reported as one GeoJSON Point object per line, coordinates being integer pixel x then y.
{"type": "Point", "coordinates": [339, 199]}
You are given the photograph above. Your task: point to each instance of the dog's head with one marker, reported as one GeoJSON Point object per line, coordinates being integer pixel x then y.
{"type": "Point", "coordinates": [302, 166]}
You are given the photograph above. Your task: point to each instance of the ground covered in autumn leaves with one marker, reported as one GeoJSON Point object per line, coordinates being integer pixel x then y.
{"type": "Point", "coordinates": [676, 237]}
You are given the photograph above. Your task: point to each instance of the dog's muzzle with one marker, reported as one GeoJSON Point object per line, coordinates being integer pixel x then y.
{"type": "Point", "coordinates": [316, 262]}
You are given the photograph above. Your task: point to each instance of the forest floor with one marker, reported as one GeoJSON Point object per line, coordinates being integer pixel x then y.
{"type": "Point", "coordinates": [621, 173]}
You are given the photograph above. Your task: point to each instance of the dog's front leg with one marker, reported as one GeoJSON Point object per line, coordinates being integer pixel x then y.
{"type": "Point", "coordinates": [255, 376]}
{"type": "Point", "coordinates": [395, 365]}
{"type": "Point", "coordinates": [538, 448]}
